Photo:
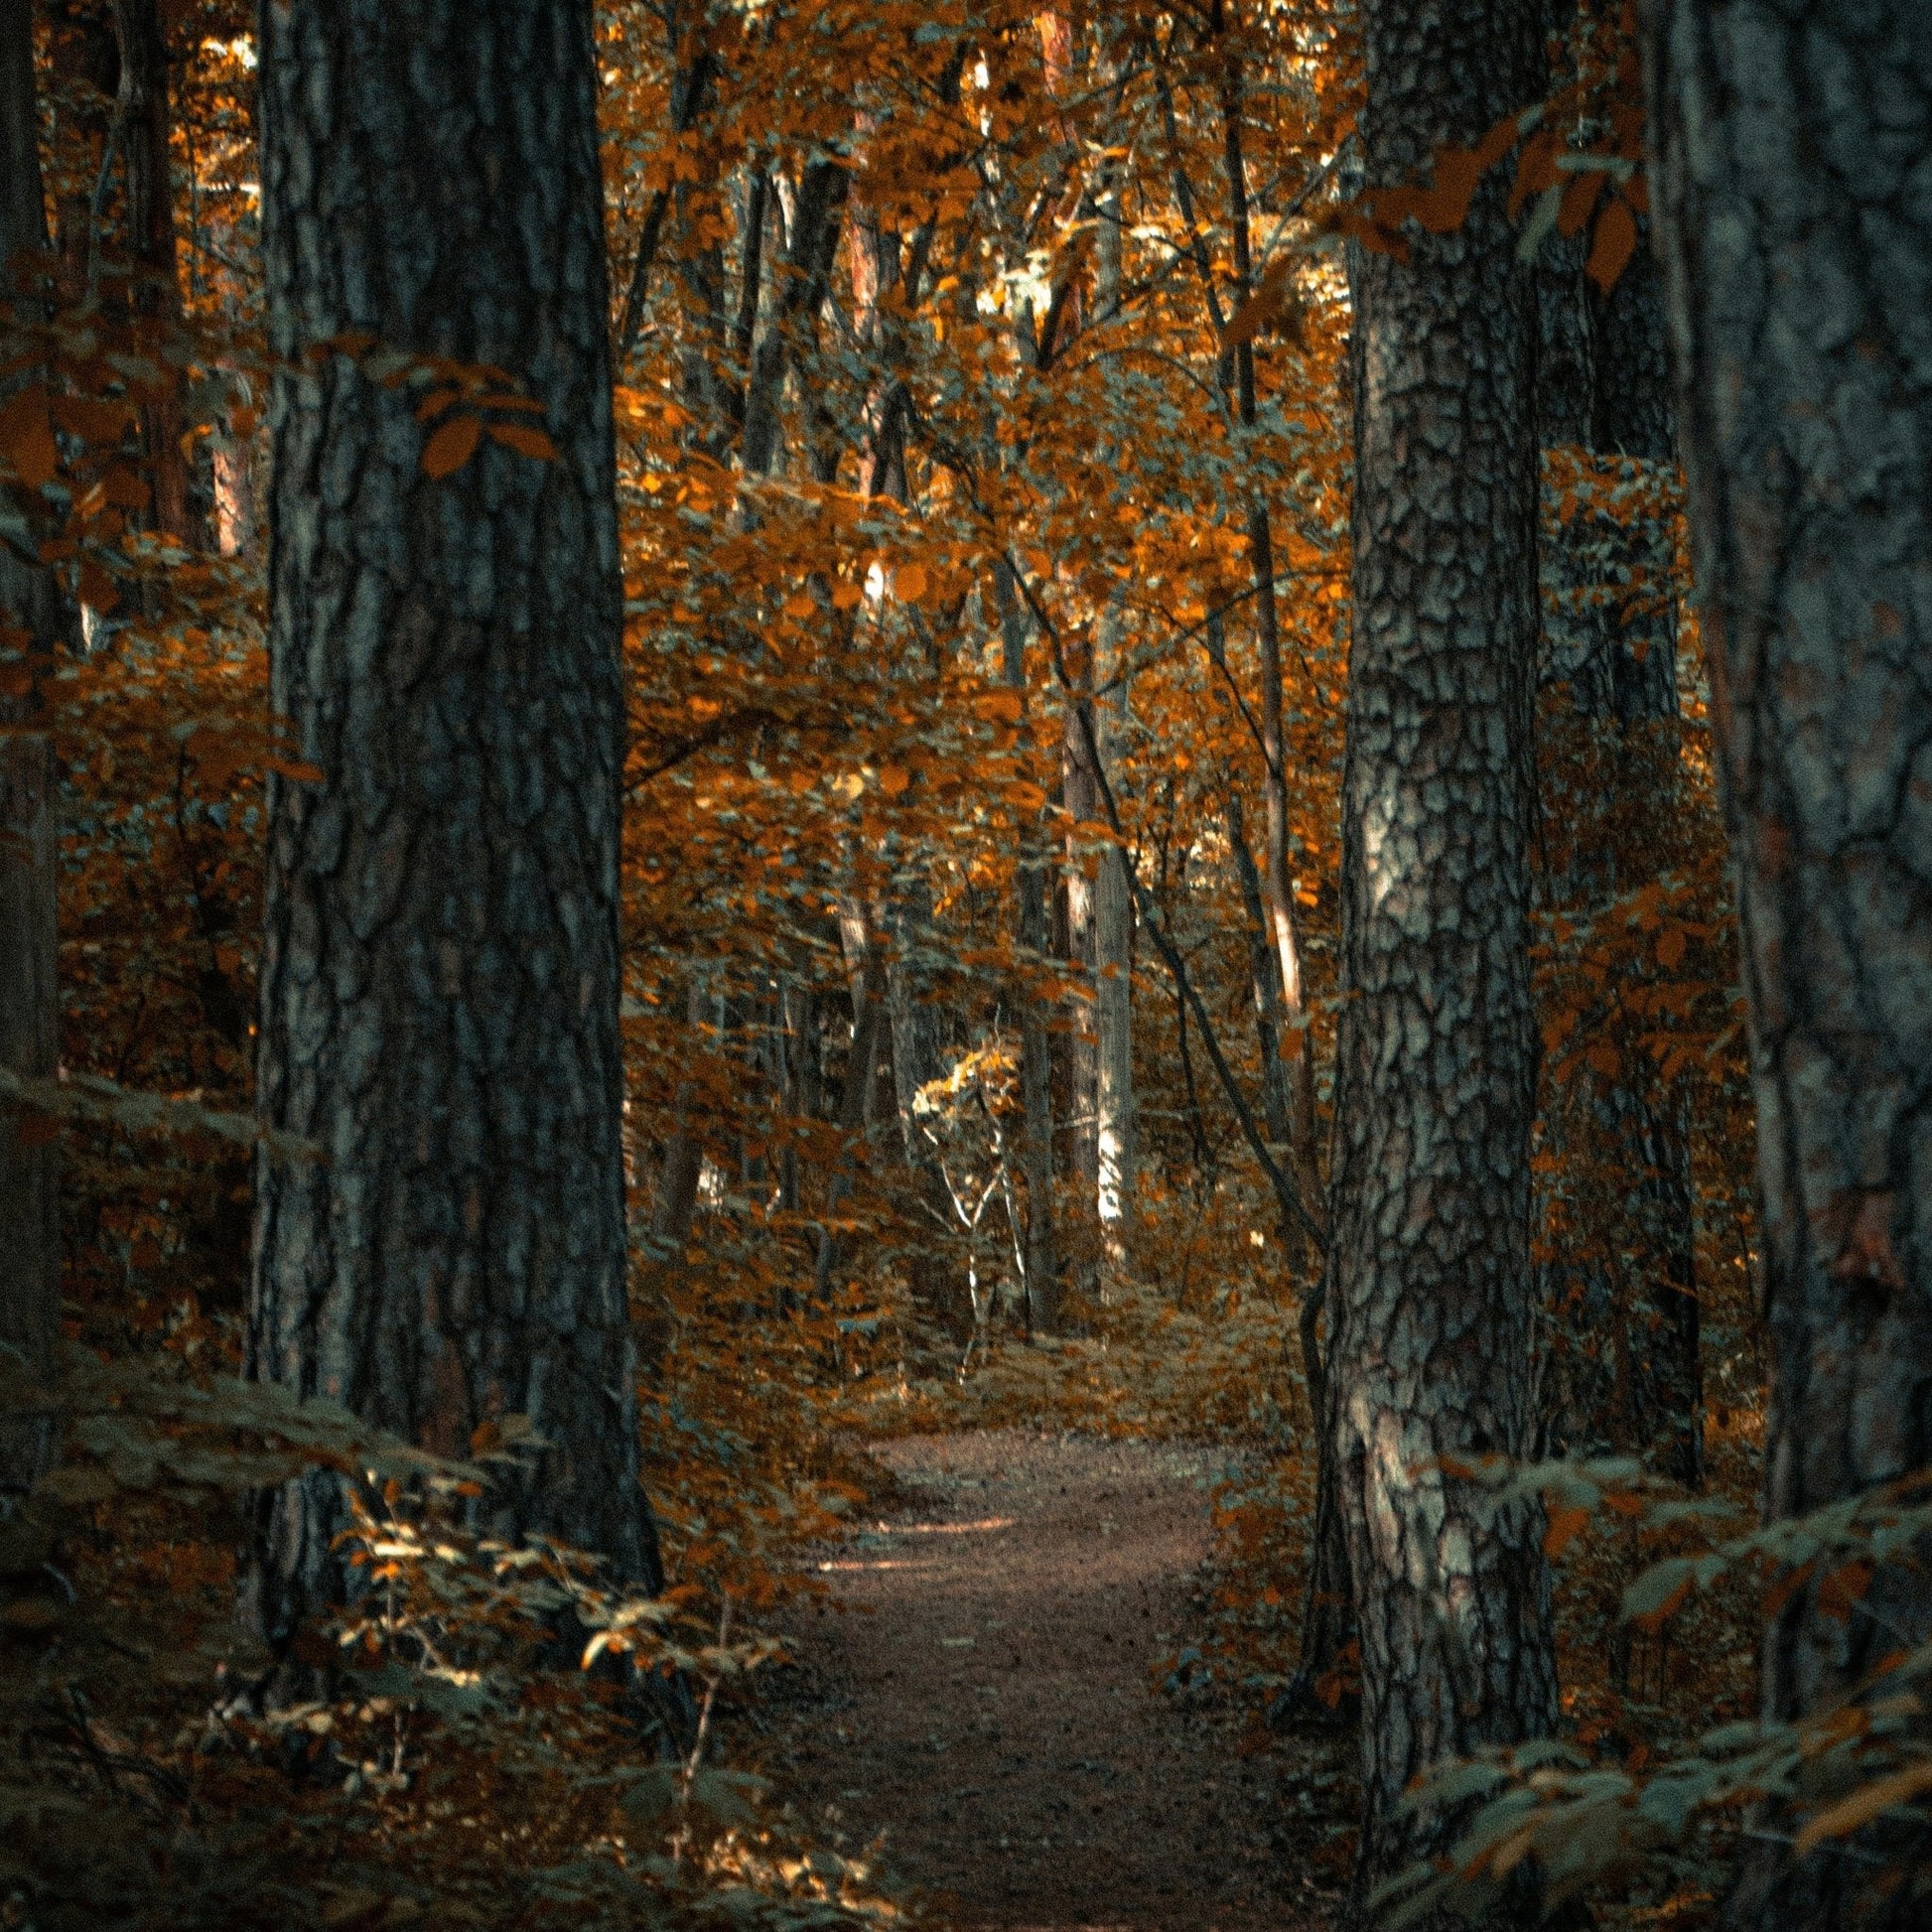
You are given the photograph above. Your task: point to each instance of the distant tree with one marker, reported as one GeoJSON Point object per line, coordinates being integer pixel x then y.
{"type": "Point", "coordinates": [1791, 149]}
{"type": "Point", "coordinates": [440, 968]}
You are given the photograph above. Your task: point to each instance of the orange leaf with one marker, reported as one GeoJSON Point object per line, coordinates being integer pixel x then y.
{"type": "Point", "coordinates": [525, 439]}
{"type": "Point", "coordinates": [301, 772]}
{"type": "Point", "coordinates": [909, 583]}
{"type": "Point", "coordinates": [1615, 243]}
{"type": "Point", "coordinates": [26, 437]}
{"type": "Point", "coordinates": [97, 589]}
{"type": "Point", "coordinates": [1868, 1802]}
{"type": "Point", "coordinates": [452, 445]}
{"type": "Point", "coordinates": [892, 780]}
{"type": "Point", "coordinates": [1670, 948]}
{"type": "Point", "coordinates": [1563, 1525]}
{"type": "Point", "coordinates": [1536, 170]}
{"type": "Point", "coordinates": [1577, 201]}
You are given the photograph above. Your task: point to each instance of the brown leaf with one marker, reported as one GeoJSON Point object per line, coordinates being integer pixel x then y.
{"type": "Point", "coordinates": [1563, 1525]}
{"type": "Point", "coordinates": [452, 445]}
{"type": "Point", "coordinates": [1615, 243]}
{"type": "Point", "coordinates": [525, 439]}
{"type": "Point", "coordinates": [26, 437]}
{"type": "Point", "coordinates": [1868, 1802]}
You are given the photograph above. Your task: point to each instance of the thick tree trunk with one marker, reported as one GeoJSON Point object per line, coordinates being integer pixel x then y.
{"type": "Point", "coordinates": [1786, 143]}
{"type": "Point", "coordinates": [440, 969]}
{"type": "Point", "coordinates": [30, 1045]}
{"type": "Point", "coordinates": [1429, 1281]}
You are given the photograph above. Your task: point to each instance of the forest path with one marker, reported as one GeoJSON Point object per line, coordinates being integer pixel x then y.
{"type": "Point", "coordinates": [984, 1710]}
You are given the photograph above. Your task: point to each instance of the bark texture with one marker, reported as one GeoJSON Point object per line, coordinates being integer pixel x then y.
{"type": "Point", "coordinates": [1427, 1283]}
{"type": "Point", "coordinates": [1794, 206]}
{"type": "Point", "coordinates": [440, 969]}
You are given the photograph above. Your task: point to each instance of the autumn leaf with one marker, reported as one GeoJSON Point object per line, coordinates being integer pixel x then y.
{"type": "Point", "coordinates": [1615, 243]}
{"type": "Point", "coordinates": [525, 439]}
{"type": "Point", "coordinates": [892, 780]}
{"type": "Point", "coordinates": [96, 589]}
{"type": "Point", "coordinates": [452, 445]}
{"type": "Point", "coordinates": [909, 583]}
{"type": "Point", "coordinates": [27, 438]}
{"type": "Point", "coordinates": [1868, 1802]}
{"type": "Point", "coordinates": [1563, 1525]}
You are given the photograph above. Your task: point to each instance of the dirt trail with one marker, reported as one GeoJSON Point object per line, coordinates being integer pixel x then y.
{"type": "Point", "coordinates": [991, 1723]}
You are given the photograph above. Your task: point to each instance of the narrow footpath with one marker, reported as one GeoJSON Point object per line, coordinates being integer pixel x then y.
{"type": "Point", "coordinates": [984, 1711]}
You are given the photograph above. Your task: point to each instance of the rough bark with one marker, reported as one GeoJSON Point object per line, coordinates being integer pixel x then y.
{"type": "Point", "coordinates": [440, 966]}
{"type": "Point", "coordinates": [30, 1280]}
{"type": "Point", "coordinates": [1792, 150]}
{"type": "Point", "coordinates": [1428, 1284]}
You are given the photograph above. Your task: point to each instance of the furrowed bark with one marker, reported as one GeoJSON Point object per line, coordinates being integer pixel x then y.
{"type": "Point", "coordinates": [440, 966]}
{"type": "Point", "coordinates": [1791, 147]}
{"type": "Point", "coordinates": [1428, 1286]}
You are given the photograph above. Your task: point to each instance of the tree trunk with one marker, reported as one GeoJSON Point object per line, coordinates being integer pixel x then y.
{"type": "Point", "coordinates": [1797, 302]}
{"type": "Point", "coordinates": [141, 112]}
{"type": "Point", "coordinates": [30, 1045]}
{"type": "Point", "coordinates": [1297, 1059]}
{"type": "Point", "coordinates": [440, 966]}
{"type": "Point", "coordinates": [1427, 1277]}
{"type": "Point", "coordinates": [1264, 977]}
{"type": "Point", "coordinates": [1115, 1149]}
{"type": "Point", "coordinates": [1625, 1373]}
{"type": "Point", "coordinates": [1082, 796]}
{"type": "Point", "coordinates": [1033, 934]}
{"type": "Point", "coordinates": [30, 594]}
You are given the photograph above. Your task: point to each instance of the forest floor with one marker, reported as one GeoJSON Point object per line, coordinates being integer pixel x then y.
{"type": "Point", "coordinates": [979, 1701]}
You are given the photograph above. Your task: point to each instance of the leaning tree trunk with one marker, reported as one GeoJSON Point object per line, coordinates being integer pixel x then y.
{"type": "Point", "coordinates": [439, 967]}
{"type": "Point", "coordinates": [1787, 141]}
{"type": "Point", "coordinates": [1428, 1274]}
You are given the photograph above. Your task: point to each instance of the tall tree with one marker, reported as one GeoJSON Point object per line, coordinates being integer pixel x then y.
{"type": "Point", "coordinates": [440, 968]}
{"type": "Point", "coordinates": [1428, 1280]}
{"type": "Point", "coordinates": [1621, 1283]}
{"type": "Point", "coordinates": [141, 123]}
{"type": "Point", "coordinates": [1797, 262]}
